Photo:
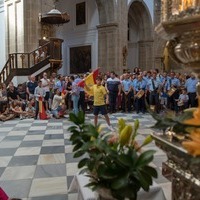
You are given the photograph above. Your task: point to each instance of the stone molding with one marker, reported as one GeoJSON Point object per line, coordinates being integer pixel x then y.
{"type": "Point", "coordinates": [145, 41]}
{"type": "Point", "coordinates": [109, 25]}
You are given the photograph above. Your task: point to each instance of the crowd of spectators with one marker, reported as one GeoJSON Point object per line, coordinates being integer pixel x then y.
{"type": "Point", "coordinates": [127, 92]}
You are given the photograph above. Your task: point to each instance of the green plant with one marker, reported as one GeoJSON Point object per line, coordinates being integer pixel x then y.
{"type": "Point", "coordinates": [173, 122]}
{"type": "Point", "coordinates": [112, 161]}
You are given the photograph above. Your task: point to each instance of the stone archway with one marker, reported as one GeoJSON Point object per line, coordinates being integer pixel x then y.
{"type": "Point", "coordinates": [140, 43]}
{"type": "Point", "coordinates": [106, 11]}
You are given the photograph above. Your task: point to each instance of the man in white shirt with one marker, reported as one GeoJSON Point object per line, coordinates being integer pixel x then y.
{"type": "Point", "coordinates": [38, 93]}
{"type": "Point", "coordinates": [45, 85]}
{"type": "Point", "coordinates": [40, 55]}
{"type": "Point", "coordinates": [57, 108]}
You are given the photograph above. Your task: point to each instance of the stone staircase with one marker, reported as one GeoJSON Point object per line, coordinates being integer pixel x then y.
{"type": "Point", "coordinates": [25, 64]}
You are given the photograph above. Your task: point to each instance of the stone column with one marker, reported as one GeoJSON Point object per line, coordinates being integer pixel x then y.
{"type": "Point", "coordinates": [112, 37]}
{"type": "Point", "coordinates": [107, 46]}
{"type": "Point", "coordinates": [160, 14]}
{"type": "Point", "coordinates": [145, 55]}
{"type": "Point", "coordinates": [31, 24]}
{"type": "Point", "coordinates": [159, 63]}
{"type": "Point", "coordinates": [33, 27]}
{"type": "Point", "coordinates": [123, 34]}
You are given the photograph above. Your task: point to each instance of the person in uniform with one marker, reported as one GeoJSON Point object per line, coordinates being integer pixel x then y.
{"type": "Point", "coordinates": [113, 90]}
{"type": "Point", "coordinates": [153, 86]}
{"type": "Point", "coordinates": [191, 89]}
{"type": "Point", "coordinates": [147, 77]}
{"type": "Point", "coordinates": [126, 93]}
{"type": "Point", "coordinates": [139, 94]}
{"type": "Point", "coordinates": [163, 93]}
{"type": "Point", "coordinates": [173, 84]}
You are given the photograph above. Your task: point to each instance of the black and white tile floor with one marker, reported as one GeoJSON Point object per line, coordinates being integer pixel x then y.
{"type": "Point", "coordinates": [36, 160]}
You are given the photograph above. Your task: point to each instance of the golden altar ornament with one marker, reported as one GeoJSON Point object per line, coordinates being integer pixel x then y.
{"type": "Point", "coordinates": [182, 31]}
{"type": "Point", "coordinates": [186, 4]}
{"type": "Point", "coordinates": [180, 27]}
{"type": "Point", "coordinates": [193, 146]}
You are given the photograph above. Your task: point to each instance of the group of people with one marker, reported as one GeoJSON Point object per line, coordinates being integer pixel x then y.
{"type": "Point", "coordinates": [133, 91]}
{"type": "Point", "coordinates": [127, 92]}
{"type": "Point", "coordinates": [55, 94]}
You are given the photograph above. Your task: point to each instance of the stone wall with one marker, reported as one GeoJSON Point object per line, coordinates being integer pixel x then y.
{"type": "Point", "coordinates": [14, 26]}
{"type": "Point", "coordinates": [2, 36]}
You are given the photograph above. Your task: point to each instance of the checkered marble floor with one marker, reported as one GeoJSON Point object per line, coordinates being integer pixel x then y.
{"type": "Point", "coordinates": [36, 160]}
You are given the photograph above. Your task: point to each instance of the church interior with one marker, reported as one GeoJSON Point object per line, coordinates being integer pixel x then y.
{"type": "Point", "coordinates": [75, 37]}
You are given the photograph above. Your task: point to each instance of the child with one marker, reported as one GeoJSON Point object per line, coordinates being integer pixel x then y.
{"type": "Point", "coordinates": [163, 99]}
{"type": "Point", "coordinates": [183, 100]}
{"type": "Point", "coordinates": [58, 108]}
{"type": "Point", "coordinates": [7, 114]}
{"type": "Point", "coordinates": [17, 109]}
{"type": "Point", "coordinates": [30, 110]}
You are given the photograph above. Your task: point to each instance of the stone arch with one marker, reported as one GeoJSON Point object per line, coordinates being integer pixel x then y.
{"type": "Point", "coordinates": [145, 7]}
{"type": "Point", "coordinates": [106, 11]}
{"type": "Point", "coordinates": [141, 36]}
